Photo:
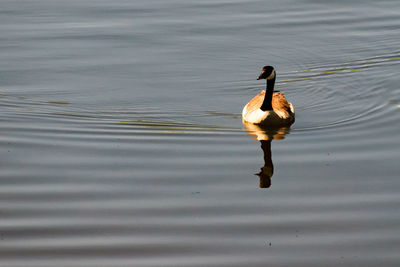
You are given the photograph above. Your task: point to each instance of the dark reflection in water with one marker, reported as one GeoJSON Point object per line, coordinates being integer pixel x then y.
{"type": "Point", "coordinates": [265, 135]}
{"type": "Point", "coordinates": [268, 169]}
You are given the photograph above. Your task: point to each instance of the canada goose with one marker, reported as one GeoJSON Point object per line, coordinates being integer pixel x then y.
{"type": "Point", "coordinates": [269, 107]}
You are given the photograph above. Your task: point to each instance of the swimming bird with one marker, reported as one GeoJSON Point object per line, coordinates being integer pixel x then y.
{"type": "Point", "coordinates": [269, 107]}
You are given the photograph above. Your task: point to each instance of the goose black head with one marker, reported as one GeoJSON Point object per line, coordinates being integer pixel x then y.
{"type": "Point", "coordinates": [267, 72]}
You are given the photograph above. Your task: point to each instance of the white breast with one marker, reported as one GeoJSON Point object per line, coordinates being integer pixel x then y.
{"type": "Point", "coordinates": [270, 117]}
{"type": "Point", "coordinates": [255, 116]}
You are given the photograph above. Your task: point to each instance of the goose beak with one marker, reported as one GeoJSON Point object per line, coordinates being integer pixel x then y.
{"type": "Point", "coordinates": [260, 76]}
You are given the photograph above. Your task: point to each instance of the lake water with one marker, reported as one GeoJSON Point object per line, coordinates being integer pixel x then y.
{"type": "Point", "coordinates": [122, 142]}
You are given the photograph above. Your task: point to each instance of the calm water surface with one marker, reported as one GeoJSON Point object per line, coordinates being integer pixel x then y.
{"type": "Point", "coordinates": [122, 143]}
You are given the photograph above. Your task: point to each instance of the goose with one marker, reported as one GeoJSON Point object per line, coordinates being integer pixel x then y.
{"type": "Point", "coordinates": [269, 107]}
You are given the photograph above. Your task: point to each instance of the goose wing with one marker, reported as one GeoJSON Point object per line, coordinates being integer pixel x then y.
{"type": "Point", "coordinates": [279, 103]}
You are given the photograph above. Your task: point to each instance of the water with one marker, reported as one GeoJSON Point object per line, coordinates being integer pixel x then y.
{"type": "Point", "coordinates": [122, 142]}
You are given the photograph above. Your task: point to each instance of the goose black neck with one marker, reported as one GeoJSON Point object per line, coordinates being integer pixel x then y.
{"type": "Point", "coordinates": [269, 91]}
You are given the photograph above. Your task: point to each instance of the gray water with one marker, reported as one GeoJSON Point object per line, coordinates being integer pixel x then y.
{"type": "Point", "coordinates": [122, 142]}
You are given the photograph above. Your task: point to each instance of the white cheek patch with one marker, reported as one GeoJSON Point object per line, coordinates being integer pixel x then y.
{"type": "Point", "coordinates": [272, 75]}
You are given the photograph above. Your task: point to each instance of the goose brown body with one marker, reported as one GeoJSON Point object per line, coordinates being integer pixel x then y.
{"type": "Point", "coordinates": [282, 113]}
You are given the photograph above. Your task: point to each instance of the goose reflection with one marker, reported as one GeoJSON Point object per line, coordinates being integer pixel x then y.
{"type": "Point", "coordinates": [265, 135]}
